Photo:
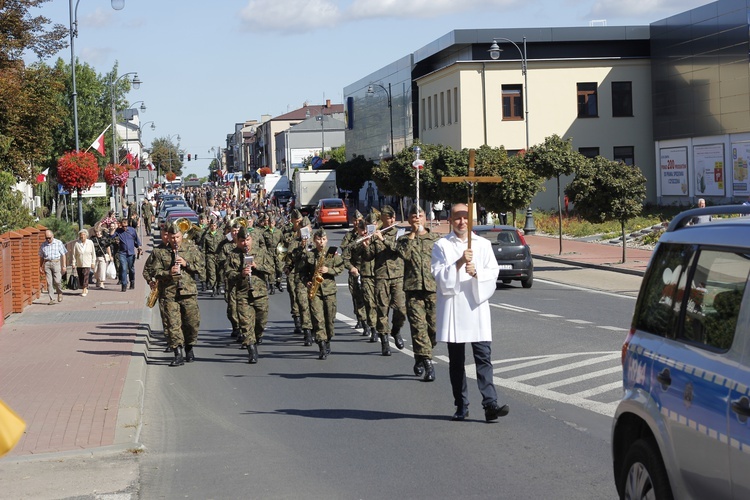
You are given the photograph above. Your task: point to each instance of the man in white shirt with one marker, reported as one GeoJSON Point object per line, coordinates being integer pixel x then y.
{"type": "Point", "coordinates": [466, 280]}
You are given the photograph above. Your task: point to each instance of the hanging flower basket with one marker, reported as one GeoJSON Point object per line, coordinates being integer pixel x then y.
{"type": "Point", "coordinates": [170, 176]}
{"type": "Point", "coordinates": [77, 170]}
{"type": "Point", "coordinates": [264, 171]}
{"type": "Point", "coordinates": [116, 175]}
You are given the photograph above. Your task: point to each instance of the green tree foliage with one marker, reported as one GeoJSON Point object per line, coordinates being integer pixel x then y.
{"type": "Point", "coordinates": [352, 174]}
{"type": "Point", "coordinates": [337, 155]}
{"type": "Point", "coordinates": [164, 154]}
{"type": "Point", "coordinates": [605, 190]}
{"type": "Point", "coordinates": [554, 158]}
{"type": "Point", "coordinates": [13, 215]}
{"type": "Point", "coordinates": [20, 32]}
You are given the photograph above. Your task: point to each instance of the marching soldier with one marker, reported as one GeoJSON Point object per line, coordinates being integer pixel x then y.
{"type": "Point", "coordinates": [355, 287]}
{"type": "Point", "coordinates": [248, 267]}
{"type": "Point", "coordinates": [211, 242]}
{"type": "Point", "coordinates": [298, 257]}
{"type": "Point", "coordinates": [389, 279]}
{"type": "Point", "coordinates": [289, 234]}
{"type": "Point", "coordinates": [147, 211]}
{"type": "Point", "coordinates": [273, 237]}
{"type": "Point", "coordinates": [415, 249]}
{"type": "Point", "coordinates": [323, 265]}
{"type": "Point", "coordinates": [149, 275]}
{"type": "Point", "coordinates": [225, 248]}
{"type": "Point", "coordinates": [176, 273]}
{"type": "Point", "coordinates": [364, 270]}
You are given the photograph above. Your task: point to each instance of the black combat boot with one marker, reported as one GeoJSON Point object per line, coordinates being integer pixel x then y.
{"type": "Point", "coordinates": [189, 354]}
{"type": "Point", "coordinates": [418, 367]}
{"type": "Point", "coordinates": [308, 337]}
{"type": "Point", "coordinates": [323, 353]}
{"type": "Point", "coordinates": [429, 370]}
{"type": "Point", "coordinates": [358, 325]}
{"type": "Point", "coordinates": [252, 354]}
{"type": "Point", "coordinates": [178, 359]}
{"type": "Point", "coordinates": [385, 347]}
{"type": "Point", "coordinates": [278, 286]}
{"type": "Point", "coordinates": [365, 330]}
{"type": "Point", "coordinates": [297, 324]}
{"type": "Point", "coordinates": [328, 347]}
{"type": "Point", "coordinates": [271, 289]}
{"type": "Point", "coordinates": [235, 333]}
{"type": "Point", "coordinates": [398, 340]}
{"type": "Point", "coordinates": [373, 334]}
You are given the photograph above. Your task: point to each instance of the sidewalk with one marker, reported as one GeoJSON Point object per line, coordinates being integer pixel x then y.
{"type": "Point", "coordinates": [75, 370]}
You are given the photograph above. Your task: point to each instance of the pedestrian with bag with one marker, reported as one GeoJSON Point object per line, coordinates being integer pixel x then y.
{"type": "Point", "coordinates": [84, 259]}
{"type": "Point", "coordinates": [103, 256]}
{"type": "Point", "coordinates": [52, 264]}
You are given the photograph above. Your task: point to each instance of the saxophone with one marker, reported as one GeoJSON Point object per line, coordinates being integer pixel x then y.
{"type": "Point", "coordinates": [153, 297]}
{"type": "Point", "coordinates": [317, 278]}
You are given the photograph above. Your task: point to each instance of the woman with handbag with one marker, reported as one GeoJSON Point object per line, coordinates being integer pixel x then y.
{"type": "Point", "coordinates": [103, 257]}
{"type": "Point", "coordinates": [84, 258]}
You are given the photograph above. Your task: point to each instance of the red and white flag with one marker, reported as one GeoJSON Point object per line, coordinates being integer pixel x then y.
{"type": "Point", "coordinates": [150, 166]}
{"type": "Point", "coordinates": [42, 177]}
{"type": "Point", "coordinates": [129, 158]}
{"type": "Point", "coordinates": [98, 144]}
{"type": "Point", "coordinates": [138, 162]}
{"type": "Point", "coordinates": [418, 164]}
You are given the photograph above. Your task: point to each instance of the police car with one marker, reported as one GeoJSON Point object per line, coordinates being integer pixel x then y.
{"type": "Point", "coordinates": [681, 428]}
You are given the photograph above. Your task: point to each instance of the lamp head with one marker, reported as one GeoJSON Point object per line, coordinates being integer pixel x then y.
{"type": "Point", "coordinates": [370, 90]}
{"type": "Point", "coordinates": [495, 50]}
{"type": "Point", "coordinates": [143, 107]}
{"type": "Point", "coordinates": [136, 82]}
{"type": "Point", "coordinates": [153, 126]}
{"type": "Point", "coordinates": [118, 4]}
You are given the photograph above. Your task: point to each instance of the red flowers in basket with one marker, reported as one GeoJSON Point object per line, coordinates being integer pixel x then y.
{"type": "Point", "coordinates": [116, 175]}
{"type": "Point", "coordinates": [170, 176]}
{"type": "Point", "coordinates": [77, 170]}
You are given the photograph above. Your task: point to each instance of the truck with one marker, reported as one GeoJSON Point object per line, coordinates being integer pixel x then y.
{"type": "Point", "coordinates": [310, 186]}
{"type": "Point", "coordinates": [274, 182]}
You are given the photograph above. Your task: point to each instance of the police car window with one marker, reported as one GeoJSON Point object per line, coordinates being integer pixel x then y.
{"type": "Point", "coordinates": [713, 303]}
{"type": "Point", "coordinates": [658, 308]}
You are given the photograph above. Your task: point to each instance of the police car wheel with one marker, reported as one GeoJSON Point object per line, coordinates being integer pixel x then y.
{"type": "Point", "coordinates": [643, 474]}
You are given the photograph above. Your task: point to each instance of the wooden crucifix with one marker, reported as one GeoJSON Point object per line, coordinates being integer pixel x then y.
{"type": "Point", "coordinates": [472, 179]}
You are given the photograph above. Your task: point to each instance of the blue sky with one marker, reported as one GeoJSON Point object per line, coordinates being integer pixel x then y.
{"type": "Point", "coordinates": [206, 65]}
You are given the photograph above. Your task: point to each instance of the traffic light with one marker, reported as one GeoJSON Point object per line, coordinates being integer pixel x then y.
{"type": "Point", "coordinates": [196, 158]}
{"type": "Point", "coordinates": [182, 157]}
{"type": "Point", "coordinates": [188, 156]}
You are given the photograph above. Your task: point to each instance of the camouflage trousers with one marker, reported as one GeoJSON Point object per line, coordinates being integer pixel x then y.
{"type": "Point", "coordinates": [358, 300]}
{"type": "Point", "coordinates": [183, 318]}
{"type": "Point", "coordinates": [212, 271]}
{"type": "Point", "coordinates": [303, 303]}
{"type": "Point", "coordinates": [253, 316]}
{"type": "Point", "coordinates": [368, 297]}
{"type": "Point", "coordinates": [323, 312]}
{"type": "Point", "coordinates": [421, 311]}
{"type": "Point", "coordinates": [389, 294]}
{"type": "Point", "coordinates": [292, 296]}
{"type": "Point", "coordinates": [231, 298]}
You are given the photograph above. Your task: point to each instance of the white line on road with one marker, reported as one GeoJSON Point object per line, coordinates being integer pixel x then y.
{"type": "Point", "coordinates": [581, 378]}
{"type": "Point", "coordinates": [550, 315]}
{"type": "Point", "coordinates": [563, 368]}
{"type": "Point", "coordinates": [579, 321]}
{"type": "Point", "coordinates": [599, 390]}
{"type": "Point", "coordinates": [612, 328]}
{"type": "Point", "coordinates": [601, 292]}
{"type": "Point", "coordinates": [545, 359]}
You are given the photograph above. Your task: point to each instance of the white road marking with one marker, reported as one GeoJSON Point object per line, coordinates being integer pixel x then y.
{"type": "Point", "coordinates": [564, 368]}
{"type": "Point", "coordinates": [612, 328]}
{"type": "Point", "coordinates": [573, 287]}
{"type": "Point", "coordinates": [550, 316]}
{"type": "Point", "coordinates": [579, 321]}
{"type": "Point", "coordinates": [581, 378]}
{"type": "Point", "coordinates": [599, 390]}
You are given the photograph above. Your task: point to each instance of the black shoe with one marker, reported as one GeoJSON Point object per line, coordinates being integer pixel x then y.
{"type": "Point", "coordinates": [297, 324]}
{"type": "Point", "coordinates": [279, 287]}
{"type": "Point", "coordinates": [252, 354]}
{"type": "Point", "coordinates": [366, 330]}
{"type": "Point", "coordinates": [418, 368]}
{"type": "Point", "coordinates": [189, 354]}
{"type": "Point", "coordinates": [308, 337]}
{"type": "Point", "coordinates": [132, 285]}
{"type": "Point", "coordinates": [385, 347]}
{"type": "Point", "coordinates": [328, 347]}
{"type": "Point", "coordinates": [323, 354]}
{"type": "Point", "coordinates": [259, 340]}
{"type": "Point", "coordinates": [358, 325]}
{"type": "Point", "coordinates": [429, 370]}
{"type": "Point", "coordinates": [213, 293]}
{"type": "Point", "coordinates": [271, 290]}
{"type": "Point", "coordinates": [462, 413]}
{"type": "Point", "coordinates": [124, 288]}
{"type": "Point", "coordinates": [373, 335]}
{"type": "Point", "coordinates": [178, 359]}
{"type": "Point", "coordinates": [493, 410]}
{"type": "Point", "coordinates": [235, 333]}
{"type": "Point", "coordinates": [398, 340]}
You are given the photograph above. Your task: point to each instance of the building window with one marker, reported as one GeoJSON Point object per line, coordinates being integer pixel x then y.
{"type": "Point", "coordinates": [625, 154]}
{"type": "Point", "coordinates": [435, 104]}
{"type": "Point", "coordinates": [589, 152]}
{"type": "Point", "coordinates": [512, 102]}
{"type": "Point", "coordinates": [455, 103]}
{"type": "Point", "coordinates": [424, 112]}
{"type": "Point", "coordinates": [442, 109]}
{"type": "Point", "coordinates": [429, 110]}
{"type": "Point", "coordinates": [587, 105]}
{"type": "Point", "coordinates": [622, 98]}
{"type": "Point", "coordinates": [449, 106]}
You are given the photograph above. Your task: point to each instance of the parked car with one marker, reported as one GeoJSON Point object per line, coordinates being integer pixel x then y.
{"type": "Point", "coordinates": [681, 429]}
{"type": "Point", "coordinates": [281, 197]}
{"type": "Point", "coordinates": [175, 215]}
{"type": "Point", "coordinates": [331, 211]}
{"type": "Point", "coordinates": [171, 203]}
{"type": "Point", "coordinates": [178, 208]}
{"type": "Point", "coordinates": [512, 253]}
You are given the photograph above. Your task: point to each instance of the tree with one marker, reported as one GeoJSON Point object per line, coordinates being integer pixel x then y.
{"type": "Point", "coordinates": [164, 154]}
{"type": "Point", "coordinates": [13, 214]}
{"type": "Point", "coordinates": [20, 32]}
{"type": "Point", "coordinates": [352, 175]}
{"type": "Point", "coordinates": [605, 190]}
{"type": "Point", "coordinates": [555, 157]}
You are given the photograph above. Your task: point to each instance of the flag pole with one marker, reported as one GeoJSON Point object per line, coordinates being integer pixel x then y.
{"type": "Point", "coordinates": [98, 136]}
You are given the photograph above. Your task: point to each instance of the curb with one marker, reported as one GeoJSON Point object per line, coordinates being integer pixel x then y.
{"type": "Point", "coordinates": [633, 272]}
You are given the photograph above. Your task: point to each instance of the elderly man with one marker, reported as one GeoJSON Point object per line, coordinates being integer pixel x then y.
{"type": "Point", "coordinates": [52, 264]}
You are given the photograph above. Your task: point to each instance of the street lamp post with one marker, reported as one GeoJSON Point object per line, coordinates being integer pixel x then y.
{"type": "Point", "coordinates": [371, 91]}
{"type": "Point", "coordinates": [115, 161]}
{"type": "Point", "coordinates": [494, 51]}
{"type": "Point", "coordinates": [116, 5]}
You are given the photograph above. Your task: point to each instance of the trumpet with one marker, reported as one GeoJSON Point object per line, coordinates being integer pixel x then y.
{"type": "Point", "coordinates": [281, 249]}
{"type": "Point", "coordinates": [363, 238]}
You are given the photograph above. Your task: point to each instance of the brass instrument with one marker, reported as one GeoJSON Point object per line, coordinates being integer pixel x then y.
{"type": "Point", "coordinates": [184, 224]}
{"type": "Point", "coordinates": [363, 238]}
{"type": "Point", "coordinates": [153, 297]}
{"type": "Point", "coordinates": [317, 278]}
{"type": "Point", "coordinates": [242, 221]}
{"type": "Point", "coordinates": [281, 249]}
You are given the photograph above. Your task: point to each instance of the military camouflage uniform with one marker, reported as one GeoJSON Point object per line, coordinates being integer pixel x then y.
{"type": "Point", "coordinates": [323, 303]}
{"type": "Point", "coordinates": [251, 295]}
{"type": "Point", "coordinates": [288, 237]}
{"type": "Point", "coordinates": [211, 243]}
{"type": "Point", "coordinates": [367, 272]}
{"type": "Point", "coordinates": [147, 212]}
{"type": "Point", "coordinates": [180, 304]}
{"type": "Point", "coordinates": [298, 258]}
{"type": "Point", "coordinates": [355, 283]}
{"type": "Point", "coordinates": [389, 277]}
{"type": "Point", "coordinates": [230, 296]}
{"type": "Point", "coordinates": [273, 236]}
{"type": "Point", "coordinates": [420, 290]}
{"type": "Point", "coordinates": [149, 274]}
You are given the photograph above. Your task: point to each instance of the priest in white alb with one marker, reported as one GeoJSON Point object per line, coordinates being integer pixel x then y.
{"type": "Point", "coordinates": [466, 279]}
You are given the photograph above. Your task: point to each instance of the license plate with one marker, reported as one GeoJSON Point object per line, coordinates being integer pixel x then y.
{"type": "Point", "coordinates": [505, 266]}
{"type": "Point", "coordinates": [333, 213]}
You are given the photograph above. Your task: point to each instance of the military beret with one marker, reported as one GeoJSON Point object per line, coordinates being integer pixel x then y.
{"type": "Point", "coordinates": [242, 234]}
{"type": "Point", "coordinates": [387, 210]}
{"type": "Point", "coordinates": [173, 229]}
{"type": "Point", "coordinates": [414, 210]}
{"type": "Point", "coordinates": [358, 215]}
{"type": "Point", "coordinates": [296, 214]}
{"type": "Point", "coordinates": [372, 218]}
{"type": "Point", "coordinates": [305, 222]}
{"type": "Point", "coordinates": [320, 233]}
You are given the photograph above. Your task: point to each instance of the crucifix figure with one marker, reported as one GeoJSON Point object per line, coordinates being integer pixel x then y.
{"type": "Point", "coordinates": [472, 179]}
